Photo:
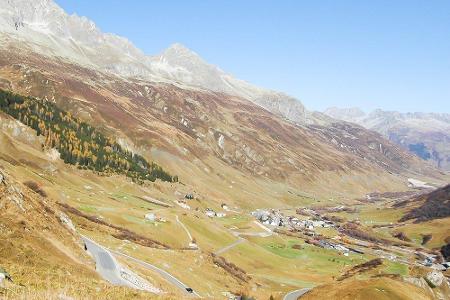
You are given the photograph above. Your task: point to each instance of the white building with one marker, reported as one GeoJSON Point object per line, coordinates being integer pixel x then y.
{"type": "Point", "coordinates": [210, 213]}
{"type": "Point", "coordinates": [150, 217]}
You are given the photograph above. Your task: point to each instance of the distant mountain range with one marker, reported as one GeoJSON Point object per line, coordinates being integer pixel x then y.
{"type": "Point", "coordinates": [425, 134]}
{"type": "Point", "coordinates": [185, 114]}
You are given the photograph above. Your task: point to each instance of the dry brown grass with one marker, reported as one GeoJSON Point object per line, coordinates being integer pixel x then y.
{"type": "Point", "coordinates": [35, 187]}
{"type": "Point", "coordinates": [434, 205]}
{"type": "Point", "coordinates": [42, 271]}
{"type": "Point", "coordinates": [354, 230]}
{"type": "Point", "coordinates": [77, 286]}
{"type": "Point", "coordinates": [373, 289]}
{"type": "Point", "coordinates": [44, 258]}
{"type": "Point", "coordinates": [361, 268]}
{"type": "Point", "coordinates": [231, 268]}
{"type": "Point", "coordinates": [123, 233]}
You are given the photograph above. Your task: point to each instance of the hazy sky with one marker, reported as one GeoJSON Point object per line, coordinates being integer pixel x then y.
{"type": "Point", "coordinates": [393, 55]}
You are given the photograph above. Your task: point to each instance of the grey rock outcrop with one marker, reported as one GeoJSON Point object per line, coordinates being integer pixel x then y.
{"type": "Point", "coordinates": [436, 278]}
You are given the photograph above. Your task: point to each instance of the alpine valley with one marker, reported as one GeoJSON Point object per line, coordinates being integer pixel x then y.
{"type": "Point", "coordinates": [125, 175]}
{"type": "Point", "coordinates": [424, 134]}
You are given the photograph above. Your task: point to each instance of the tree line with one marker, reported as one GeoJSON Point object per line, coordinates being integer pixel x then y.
{"type": "Point", "coordinates": [78, 142]}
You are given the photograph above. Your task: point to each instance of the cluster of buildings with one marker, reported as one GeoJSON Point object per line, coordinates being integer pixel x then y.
{"type": "Point", "coordinates": [209, 211]}
{"type": "Point", "coordinates": [276, 218]}
{"type": "Point", "coordinates": [269, 217]}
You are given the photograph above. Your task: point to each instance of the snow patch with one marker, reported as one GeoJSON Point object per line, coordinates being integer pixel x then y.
{"type": "Point", "coordinates": [414, 183]}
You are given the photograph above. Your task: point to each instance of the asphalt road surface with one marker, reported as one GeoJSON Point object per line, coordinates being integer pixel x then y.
{"type": "Point", "coordinates": [267, 232]}
{"type": "Point", "coordinates": [170, 278]}
{"type": "Point", "coordinates": [108, 267]}
{"type": "Point", "coordinates": [294, 295]}
{"type": "Point", "coordinates": [105, 264]}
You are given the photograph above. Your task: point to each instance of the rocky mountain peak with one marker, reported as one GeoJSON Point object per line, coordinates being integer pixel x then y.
{"type": "Point", "coordinates": [179, 50]}
{"type": "Point", "coordinates": [179, 56]}
{"type": "Point", "coordinates": [45, 28]}
{"type": "Point", "coordinates": [34, 14]}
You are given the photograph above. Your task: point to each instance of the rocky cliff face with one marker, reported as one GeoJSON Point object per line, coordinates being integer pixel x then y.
{"type": "Point", "coordinates": [425, 134]}
{"type": "Point", "coordinates": [48, 30]}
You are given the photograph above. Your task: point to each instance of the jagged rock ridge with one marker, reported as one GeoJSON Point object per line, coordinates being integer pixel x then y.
{"type": "Point", "coordinates": [50, 31]}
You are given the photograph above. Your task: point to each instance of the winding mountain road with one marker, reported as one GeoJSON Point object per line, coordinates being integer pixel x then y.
{"type": "Point", "coordinates": [267, 232]}
{"type": "Point", "coordinates": [294, 295]}
{"type": "Point", "coordinates": [170, 278]}
{"type": "Point", "coordinates": [108, 267]}
{"type": "Point", "coordinates": [105, 263]}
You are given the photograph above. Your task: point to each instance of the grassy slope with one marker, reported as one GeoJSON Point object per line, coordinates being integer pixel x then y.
{"type": "Point", "coordinates": [272, 263]}
{"type": "Point", "coordinates": [382, 214]}
{"type": "Point", "coordinates": [439, 229]}
{"type": "Point", "coordinates": [44, 258]}
{"type": "Point", "coordinates": [114, 199]}
{"type": "Point", "coordinates": [380, 289]}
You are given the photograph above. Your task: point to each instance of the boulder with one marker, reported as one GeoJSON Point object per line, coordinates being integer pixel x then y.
{"type": "Point", "coordinates": [418, 281]}
{"type": "Point", "coordinates": [66, 221]}
{"type": "Point", "coordinates": [14, 194]}
{"type": "Point", "coordinates": [435, 278]}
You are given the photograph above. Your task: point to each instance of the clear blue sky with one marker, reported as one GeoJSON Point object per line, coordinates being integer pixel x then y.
{"type": "Point", "coordinates": [393, 55]}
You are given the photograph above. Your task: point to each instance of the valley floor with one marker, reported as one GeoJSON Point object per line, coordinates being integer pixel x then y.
{"type": "Point", "coordinates": [212, 245]}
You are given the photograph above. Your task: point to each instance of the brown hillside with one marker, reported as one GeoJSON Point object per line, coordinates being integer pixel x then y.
{"type": "Point", "coordinates": [434, 205]}
{"type": "Point", "coordinates": [43, 255]}
{"type": "Point", "coordinates": [373, 289]}
{"type": "Point", "coordinates": [200, 132]}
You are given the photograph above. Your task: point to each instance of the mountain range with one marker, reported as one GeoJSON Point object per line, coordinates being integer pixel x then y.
{"type": "Point", "coordinates": [126, 175]}
{"type": "Point", "coordinates": [425, 134]}
{"type": "Point", "coordinates": [66, 58]}
{"type": "Point", "coordinates": [48, 29]}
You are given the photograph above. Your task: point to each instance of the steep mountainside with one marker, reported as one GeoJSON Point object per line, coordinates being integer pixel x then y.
{"type": "Point", "coordinates": [213, 131]}
{"type": "Point", "coordinates": [433, 205]}
{"type": "Point", "coordinates": [378, 288]}
{"type": "Point", "coordinates": [206, 131]}
{"type": "Point", "coordinates": [78, 143]}
{"type": "Point", "coordinates": [41, 250]}
{"type": "Point", "coordinates": [425, 134]}
{"type": "Point", "coordinates": [48, 30]}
